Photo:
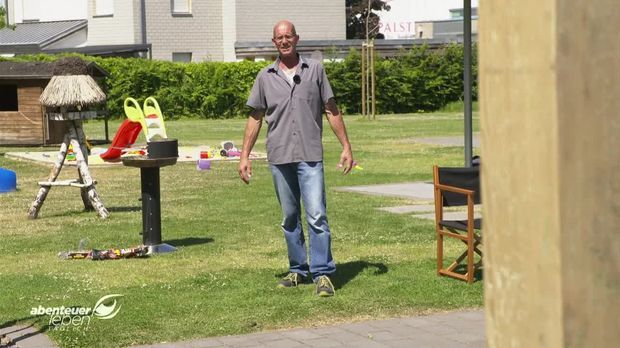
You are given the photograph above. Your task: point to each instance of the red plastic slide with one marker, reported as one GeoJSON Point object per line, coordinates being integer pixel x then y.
{"type": "Point", "coordinates": [125, 136]}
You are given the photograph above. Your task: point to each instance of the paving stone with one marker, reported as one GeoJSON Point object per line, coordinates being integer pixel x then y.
{"type": "Point", "coordinates": [268, 336]}
{"type": "Point", "coordinates": [408, 190]}
{"type": "Point", "coordinates": [322, 342]}
{"type": "Point", "coordinates": [26, 336]}
{"type": "Point", "coordinates": [300, 335]}
{"type": "Point", "coordinates": [210, 343]}
{"type": "Point", "coordinates": [381, 336]}
{"type": "Point", "coordinates": [284, 343]}
{"type": "Point", "coordinates": [366, 343]}
{"type": "Point", "coordinates": [384, 324]}
{"type": "Point", "coordinates": [346, 336]}
{"type": "Point", "coordinates": [477, 344]}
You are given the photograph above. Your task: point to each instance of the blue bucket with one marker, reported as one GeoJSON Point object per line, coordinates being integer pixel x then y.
{"type": "Point", "coordinates": [8, 180]}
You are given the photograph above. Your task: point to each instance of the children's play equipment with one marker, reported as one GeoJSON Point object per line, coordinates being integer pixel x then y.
{"type": "Point", "coordinates": [8, 180]}
{"type": "Point", "coordinates": [154, 120]}
{"type": "Point", "coordinates": [69, 91]}
{"type": "Point", "coordinates": [149, 119]}
{"type": "Point", "coordinates": [125, 137]}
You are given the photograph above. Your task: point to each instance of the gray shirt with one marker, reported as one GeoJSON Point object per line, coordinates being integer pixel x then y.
{"type": "Point", "coordinates": [293, 111]}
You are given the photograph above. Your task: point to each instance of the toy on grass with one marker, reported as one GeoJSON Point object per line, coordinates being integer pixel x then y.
{"type": "Point", "coordinates": [8, 180]}
{"type": "Point", "coordinates": [109, 254]}
{"type": "Point", "coordinates": [229, 149]}
{"type": "Point", "coordinates": [70, 154]}
{"type": "Point", "coordinates": [204, 160]}
{"type": "Point", "coordinates": [203, 164]}
{"type": "Point", "coordinates": [208, 154]}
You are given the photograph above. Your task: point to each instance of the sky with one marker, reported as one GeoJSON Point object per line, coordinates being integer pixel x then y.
{"type": "Point", "coordinates": [399, 21]}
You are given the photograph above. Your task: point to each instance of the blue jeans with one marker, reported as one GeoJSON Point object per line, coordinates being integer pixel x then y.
{"type": "Point", "coordinates": [305, 180]}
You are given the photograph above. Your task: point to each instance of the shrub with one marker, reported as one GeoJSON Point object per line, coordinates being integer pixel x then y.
{"type": "Point", "coordinates": [419, 79]}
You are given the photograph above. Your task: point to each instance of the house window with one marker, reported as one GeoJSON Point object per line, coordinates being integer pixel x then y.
{"type": "Point", "coordinates": [182, 57]}
{"type": "Point", "coordinates": [8, 102]}
{"type": "Point", "coordinates": [181, 6]}
{"type": "Point", "coordinates": [104, 7]}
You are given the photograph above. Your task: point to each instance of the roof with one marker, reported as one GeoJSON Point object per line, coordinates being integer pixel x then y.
{"type": "Point", "coordinates": [34, 37]}
{"type": "Point", "coordinates": [39, 70]}
{"type": "Point", "coordinates": [338, 47]}
{"type": "Point", "coordinates": [105, 50]}
{"type": "Point", "coordinates": [37, 34]}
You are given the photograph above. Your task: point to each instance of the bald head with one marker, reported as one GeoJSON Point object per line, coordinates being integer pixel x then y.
{"type": "Point", "coordinates": [288, 26]}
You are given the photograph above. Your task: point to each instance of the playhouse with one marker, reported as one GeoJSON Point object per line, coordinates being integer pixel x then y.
{"type": "Point", "coordinates": [23, 120]}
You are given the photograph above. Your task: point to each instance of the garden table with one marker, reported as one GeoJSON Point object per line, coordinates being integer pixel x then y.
{"type": "Point", "coordinates": [151, 204]}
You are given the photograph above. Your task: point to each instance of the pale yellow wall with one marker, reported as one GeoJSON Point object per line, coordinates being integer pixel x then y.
{"type": "Point", "coordinates": [201, 33]}
{"type": "Point", "coordinates": [314, 20]}
{"type": "Point", "coordinates": [550, 119]}
{"type": "Point", "coordinates": [118, 29]}
{"type": "Point", "coordinates": [588, 80]}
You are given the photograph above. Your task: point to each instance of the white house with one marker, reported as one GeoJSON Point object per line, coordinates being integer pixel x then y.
{"type": "Point", "coordinates": [178, 30]}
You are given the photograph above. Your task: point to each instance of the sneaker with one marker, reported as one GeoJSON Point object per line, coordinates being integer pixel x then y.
{"type": "Point", "coordinates": [324, 287]}
{"type": "Point", "coordinates": [292, 279]}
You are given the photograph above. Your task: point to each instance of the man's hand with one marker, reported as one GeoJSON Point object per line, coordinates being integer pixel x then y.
{"type": "Point", "coordinates": [346, 161]}
{"type": "Point", "coordinates": [245, 170]}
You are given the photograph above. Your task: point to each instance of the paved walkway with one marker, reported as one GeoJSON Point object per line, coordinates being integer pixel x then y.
{"type": "Point", "coordinates": [449, 330]}
{"type": "Point", "coordinates": [462, 329]}
{"type": "Point", "coordinates": [421, 193]}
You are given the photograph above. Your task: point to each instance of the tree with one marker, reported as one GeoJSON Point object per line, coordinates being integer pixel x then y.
{"type": "Point", "coordinates": [357, 12]}
{"type": "Point", "coordinates": [3, 19]}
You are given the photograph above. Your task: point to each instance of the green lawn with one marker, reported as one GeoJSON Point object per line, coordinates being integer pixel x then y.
{"type": "Point", "coordinates": [231, 252]}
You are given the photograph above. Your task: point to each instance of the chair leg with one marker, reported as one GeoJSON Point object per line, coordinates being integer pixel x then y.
{"type": "Point", "coordinates": [439, 252]}
{"type": "Point", "coordinates": [470, 261]}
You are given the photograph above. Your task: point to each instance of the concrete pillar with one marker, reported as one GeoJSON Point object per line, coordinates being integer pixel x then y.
{"type": "Point", "coordinates": [550, 119]}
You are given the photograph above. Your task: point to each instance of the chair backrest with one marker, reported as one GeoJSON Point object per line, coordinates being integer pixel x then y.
{"type": "Point", "coordinates": [465, 178]}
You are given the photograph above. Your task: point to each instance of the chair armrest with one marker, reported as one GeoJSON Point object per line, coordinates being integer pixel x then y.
{"type": "Point", "coordinates": [454, 189]}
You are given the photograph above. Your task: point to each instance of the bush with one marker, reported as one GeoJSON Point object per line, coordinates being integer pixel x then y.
{"type": "Point", "coordinates": [417, 80]}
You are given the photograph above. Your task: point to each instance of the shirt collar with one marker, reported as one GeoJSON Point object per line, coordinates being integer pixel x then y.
{"type": "Point", "coordinates": [275, 66]}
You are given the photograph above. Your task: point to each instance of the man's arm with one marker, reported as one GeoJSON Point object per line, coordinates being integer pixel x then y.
{"type": "Point", "coordinates": [252, 129]}
{"type": "Point", "coordinates": [337, 123]}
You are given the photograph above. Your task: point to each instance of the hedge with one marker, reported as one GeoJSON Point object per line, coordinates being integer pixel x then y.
{"type": "Point", "coordinates": [417, 80]}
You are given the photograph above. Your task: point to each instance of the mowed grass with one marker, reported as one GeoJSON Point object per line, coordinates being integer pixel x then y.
{"type": "Point", "coordinates": [231, 251]}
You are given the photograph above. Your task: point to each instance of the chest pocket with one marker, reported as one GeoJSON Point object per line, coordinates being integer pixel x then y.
{"type": "Point", "coordinates": [307, 90]}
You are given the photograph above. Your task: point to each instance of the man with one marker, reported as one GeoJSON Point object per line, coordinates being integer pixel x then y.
{"type": "Point", "coordinates": [291, 95]}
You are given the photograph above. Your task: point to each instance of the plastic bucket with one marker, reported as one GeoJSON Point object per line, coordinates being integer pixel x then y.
{"type": "Point", "coordinates": [203, 164]}
{"type": "Point", "coordinates": [8, 180]}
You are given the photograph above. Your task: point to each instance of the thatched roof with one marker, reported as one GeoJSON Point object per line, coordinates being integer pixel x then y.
{"type": "Point", "coordinates": [71, 85]}
{"type": "Point", "coordinates": [72, 90]}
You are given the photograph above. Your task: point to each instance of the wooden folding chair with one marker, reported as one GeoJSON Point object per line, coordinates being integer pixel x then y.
{"type": "Point", "coordinates": [458, 187]}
